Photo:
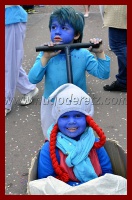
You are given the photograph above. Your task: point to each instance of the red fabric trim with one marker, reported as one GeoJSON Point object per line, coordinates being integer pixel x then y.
{"type": "Point", "coordinates": [94, 160]}
{"type": "Point", "coordinates": [69, 170]}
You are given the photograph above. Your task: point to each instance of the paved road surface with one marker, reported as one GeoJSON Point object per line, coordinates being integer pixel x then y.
{"type": "Point", "coordinates": [23, 130]}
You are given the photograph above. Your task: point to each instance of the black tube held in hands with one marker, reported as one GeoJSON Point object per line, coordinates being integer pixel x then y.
{"type": "Point", "coordinates": [63, 46]}
{"type": "Point", "coordinates": [66, 48]}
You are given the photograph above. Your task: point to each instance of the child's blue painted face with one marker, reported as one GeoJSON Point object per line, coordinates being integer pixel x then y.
{"type": "Point", "coordinates": [72, 123]}
{"type": "Point", "coordinates": [61, 33]}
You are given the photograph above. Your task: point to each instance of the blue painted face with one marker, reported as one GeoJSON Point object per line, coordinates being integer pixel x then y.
{"type": "Point", "coordinates": [61, 33]}
{"type": "Point", "coordinates": [72, 124]}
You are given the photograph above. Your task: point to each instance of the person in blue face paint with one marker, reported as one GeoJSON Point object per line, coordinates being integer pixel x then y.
{"type": "Point", "coordinates": [72, 153]}
{"type": "Point", "coordinates": [66, 26]}
{"type": "Point", "coordinates": [66, 121]}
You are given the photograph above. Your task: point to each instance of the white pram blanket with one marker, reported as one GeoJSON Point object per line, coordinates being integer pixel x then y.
{"type": "Point", "coordinates": [108, 184]}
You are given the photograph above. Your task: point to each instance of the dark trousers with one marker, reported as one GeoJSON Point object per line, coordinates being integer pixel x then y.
{"type": "Point", "coordinates": [27, 7]}
{"type": "Point", "coordinates": [118, 44]}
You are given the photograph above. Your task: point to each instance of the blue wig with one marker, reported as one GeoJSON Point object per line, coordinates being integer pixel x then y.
{"type": "Point", "coordinates": [69, 15]}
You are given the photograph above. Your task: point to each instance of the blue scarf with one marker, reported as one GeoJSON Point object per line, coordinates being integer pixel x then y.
{"type": "Point", "coordinates": [77, 153]}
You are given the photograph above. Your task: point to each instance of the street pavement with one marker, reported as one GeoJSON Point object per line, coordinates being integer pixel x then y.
{"type": "Point", "coordinates": [23, 134]}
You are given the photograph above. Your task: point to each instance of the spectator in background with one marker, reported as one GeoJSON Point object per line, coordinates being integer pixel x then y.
{"type": "Point", "coordinates": [29, 9]}
{"type": "Point", "coordinates": [115, 18]}
{"type": "Point", "coordinates": [87, 9]}
{"type": "Point", "coordinates": [15, 76]}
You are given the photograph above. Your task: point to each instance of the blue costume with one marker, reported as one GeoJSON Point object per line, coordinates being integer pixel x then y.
{"type": "Point", "coordinates": [55, 73]}
{"type": "Point", "coordinates": [72, 153]}
{"type": "Point", "coordinates": [65, 30]}
{"type": "Point", "coordinates": [45, 167]}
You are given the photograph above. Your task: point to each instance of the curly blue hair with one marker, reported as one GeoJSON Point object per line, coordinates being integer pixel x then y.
{"type": "Point", "coordinates": [69, 15]}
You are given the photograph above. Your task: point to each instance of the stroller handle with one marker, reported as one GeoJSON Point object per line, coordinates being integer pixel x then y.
{"type": "Point", "coordinates": [70, 46]}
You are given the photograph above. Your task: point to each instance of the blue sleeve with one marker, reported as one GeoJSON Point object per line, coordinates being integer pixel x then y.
{"type": "Point", "coordinates": [45, 167]}
{"type": "Point", "coordinates": [99, 68]}
{"type": "Point", "coordinates": [104, 160]}
{"type": "Point", "coordinates": [15, 14]}
{"type": "Point", "coordinates": [37, 72]}
{"type": "Point", "coordinates": [73, 183]}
